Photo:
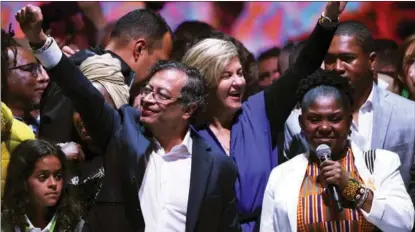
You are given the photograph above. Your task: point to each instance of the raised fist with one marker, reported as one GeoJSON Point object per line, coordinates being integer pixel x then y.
{"type": "Point", "coordinates": [30, 19]}
{"type": "Point", "coordinates": [334, 9]}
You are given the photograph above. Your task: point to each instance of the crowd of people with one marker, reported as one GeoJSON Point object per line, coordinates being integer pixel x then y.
{"type": "Point", "coordinates": [156, 130]}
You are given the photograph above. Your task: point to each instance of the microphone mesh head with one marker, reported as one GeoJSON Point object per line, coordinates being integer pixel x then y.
{"type": "Point", "coordinates": [322, 151]}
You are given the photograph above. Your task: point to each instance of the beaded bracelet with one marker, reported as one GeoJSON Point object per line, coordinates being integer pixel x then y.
{"type": "Point", "coordinates": [351, 189]}
{"type": "Point", "coordinates": [362, 196]}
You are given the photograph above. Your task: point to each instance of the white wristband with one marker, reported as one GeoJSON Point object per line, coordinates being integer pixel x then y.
{"type": "Point", "coordinates": [49, 57]}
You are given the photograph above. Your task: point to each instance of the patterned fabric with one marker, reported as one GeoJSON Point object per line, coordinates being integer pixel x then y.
{"type": "Point", "coordinates": [314, 212]}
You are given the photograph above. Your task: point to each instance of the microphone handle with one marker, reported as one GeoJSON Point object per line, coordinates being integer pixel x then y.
{"type": "Point", "coordinates": [333, 190]}
{"type": "Point", "coordinates": [336, 197]}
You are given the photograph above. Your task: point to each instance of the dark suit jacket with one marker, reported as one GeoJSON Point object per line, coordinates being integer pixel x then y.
{"type": "Point", "coordinates": [211, 204]}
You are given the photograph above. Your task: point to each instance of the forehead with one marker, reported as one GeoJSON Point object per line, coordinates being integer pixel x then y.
{"type": "Point", "coordinates": [325, 103]}
{"type": "Point", "coordinates": [345, 44]}
{"type": "Point", "coordinates": [24, 56]}
{"type": "Point", "coordinates": [268, 62]}
{"type": "Point", "coordinates": [170, 79]}
{"type": "Point", "coordinates": [233, 63]}
{"type": "Point", "coordinates": [49, 162]}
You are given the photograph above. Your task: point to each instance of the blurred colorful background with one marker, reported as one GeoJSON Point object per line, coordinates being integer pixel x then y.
{"type": "Point", "coordinates": [259, 25]}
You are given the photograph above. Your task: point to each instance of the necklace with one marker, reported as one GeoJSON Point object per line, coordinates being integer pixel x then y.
{"type": "Point", "coordinates": [226, 148]}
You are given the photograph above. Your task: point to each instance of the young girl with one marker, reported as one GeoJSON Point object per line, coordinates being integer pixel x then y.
{"type": "Point", "coordinates": [37, 196]}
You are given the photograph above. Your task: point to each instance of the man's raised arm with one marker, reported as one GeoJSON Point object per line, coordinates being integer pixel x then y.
{"type": "Point", "coordinates": [100, 119]}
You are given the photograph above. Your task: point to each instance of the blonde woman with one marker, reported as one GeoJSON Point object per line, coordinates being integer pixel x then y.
{"type": "Point", "coordinates": [248, 131]}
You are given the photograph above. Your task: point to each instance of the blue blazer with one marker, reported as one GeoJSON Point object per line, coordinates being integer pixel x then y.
{"type": "Point", "coordinates": [125, 141]}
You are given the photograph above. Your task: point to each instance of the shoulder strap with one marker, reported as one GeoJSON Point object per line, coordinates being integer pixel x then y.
{"type": "Point", "coordinates": [370, 157]}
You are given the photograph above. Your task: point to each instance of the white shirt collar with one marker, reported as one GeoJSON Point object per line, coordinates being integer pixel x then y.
{"type": "Point", "coordinates": [35, 229]}
{"type": "Point", "coordinates": [187, 142]}
{"type": "Point", "coordinates": [182, 150]}
{"type": "Point", "coordinates": [368, 105]}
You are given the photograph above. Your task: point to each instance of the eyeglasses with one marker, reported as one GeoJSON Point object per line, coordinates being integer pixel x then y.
{"type": "Point", "coordinates": [158, 96]}
{"type": "Point", "coordinates": [33, 68]}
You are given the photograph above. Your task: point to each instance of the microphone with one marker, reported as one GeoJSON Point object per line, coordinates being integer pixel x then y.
{"type": "Point", "coordinates": [323, 153]}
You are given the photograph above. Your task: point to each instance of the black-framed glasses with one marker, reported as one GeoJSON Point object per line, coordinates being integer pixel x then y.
{"type": "Point", "coordinates": [158, 96]}
{"type": "Point", "coordinates": [33, 68]}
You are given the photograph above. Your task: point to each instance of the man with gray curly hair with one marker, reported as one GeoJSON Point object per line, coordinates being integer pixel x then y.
{"type": "Point", "coordinates": [164, 175]}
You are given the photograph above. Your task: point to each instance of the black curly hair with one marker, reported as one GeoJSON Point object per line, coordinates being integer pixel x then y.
{"type": "Point", "coordinates": [7, 42]}
{"type": "Point", "coordinates": [322, 83]}
{"type": "Point", "coordinates": [16, 203]}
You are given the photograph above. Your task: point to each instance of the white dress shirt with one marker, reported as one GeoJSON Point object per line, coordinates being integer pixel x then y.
{"type": "Point", "coordinates": [164, 191]}
{"type": "Point", "coordinates": [31, 228]}
{"type": "Point", "coordinates": [362, 134]}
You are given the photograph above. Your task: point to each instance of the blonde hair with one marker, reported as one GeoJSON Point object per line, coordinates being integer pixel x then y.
{"type": "Point", "coordinates": [405, 52]}
{"type": "Point", "coordinates": [210, 57]}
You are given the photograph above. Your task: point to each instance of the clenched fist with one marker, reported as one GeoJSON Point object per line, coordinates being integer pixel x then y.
{"type": "Point", "coordinates": [331, 172]}
{"type": "Point", "coordinates": [334, 9]}
{"type": "Point", "coordinates": [30, 19]}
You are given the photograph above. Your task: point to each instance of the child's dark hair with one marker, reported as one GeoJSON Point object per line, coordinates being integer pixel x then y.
{"type": "Point", "coordinates": [16, 201]}
{"type": "Point", "coordinates": [323, 83]}
{"type": "Point", "coordinates": [7, 42]}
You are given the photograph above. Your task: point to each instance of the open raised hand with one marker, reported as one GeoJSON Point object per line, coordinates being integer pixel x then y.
{"type": "Point", "coordinates": [30, 19]}
{"type": "Point", "coordinates": [334, 9]}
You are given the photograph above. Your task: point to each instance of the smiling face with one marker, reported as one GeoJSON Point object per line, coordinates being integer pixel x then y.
{"type": "Point", "coordinates": [230, 87]}
{"type": "Point", "coordinates": [45, 183]}
{"type": "Point", "coordinates": [27, 80]}
{"type": "Point", "coordinates": [160, 100]}
{"type": "Point", "coordinates": [326, 121]}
